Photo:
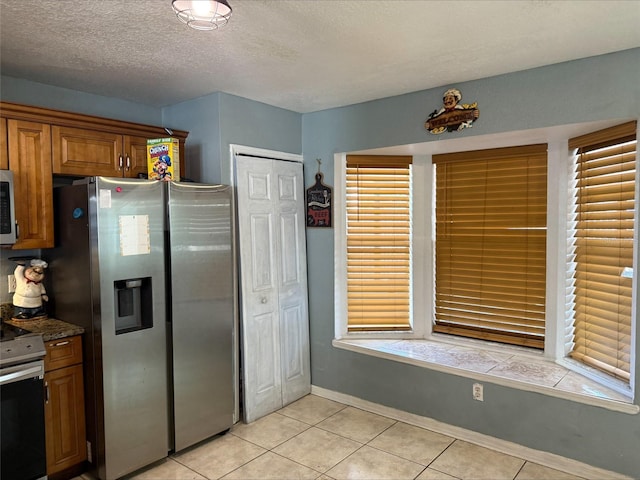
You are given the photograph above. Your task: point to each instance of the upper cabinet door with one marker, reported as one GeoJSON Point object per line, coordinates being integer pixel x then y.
{"type": "Point", "coordinates": [77, 151]}
{"type": "Point", "coordinates": [30, 154]}
{"type": "Point", "coordinates": [4, 148]}
{"type": "Point", "coordinates": [135, 155]}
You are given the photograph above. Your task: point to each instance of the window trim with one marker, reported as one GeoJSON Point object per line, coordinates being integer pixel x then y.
{"type": "Point", "coordinates": [422, 179]}
{"type": "Point", "coordinates": [557, 139]}
{"type": "Point", "coordinates": [618, 134]}
{"type": "Point", "coordinates": [424, 251]}
{"type": "Point", "coordinates": [373, 350]}
{"type": "Point", "coordinates": [387, 178]}
{"type": "Point", "coordinates": [476, 315]}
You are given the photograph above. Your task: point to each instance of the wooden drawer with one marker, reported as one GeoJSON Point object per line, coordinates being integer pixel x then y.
{"type": "Point", "coordinates": [63, 352]}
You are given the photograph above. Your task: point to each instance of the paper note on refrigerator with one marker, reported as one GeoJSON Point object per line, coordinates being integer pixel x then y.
{"type": "Point", "coordinates": [134, 235]}
{"type": "Point", "coordinates": [104, 198]}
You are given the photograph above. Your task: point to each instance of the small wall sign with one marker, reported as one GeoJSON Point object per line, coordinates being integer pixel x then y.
{"type": "Point", "coordinates": [319, 202]}
{"type": "Point", "coordinates": [453, 115]}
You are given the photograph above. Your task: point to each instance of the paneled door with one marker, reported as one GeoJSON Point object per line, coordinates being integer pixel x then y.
{"type": "Point", "coordinates": [273, 271]}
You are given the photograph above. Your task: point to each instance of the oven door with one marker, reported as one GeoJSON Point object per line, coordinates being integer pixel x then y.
{"type": "Point", "coordinates": [22, 418]}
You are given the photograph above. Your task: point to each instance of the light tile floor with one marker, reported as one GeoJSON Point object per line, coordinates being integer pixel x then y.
{"type": "Point", "coordinates": [317, 438]}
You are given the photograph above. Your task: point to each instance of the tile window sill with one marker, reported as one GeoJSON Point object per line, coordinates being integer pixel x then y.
{"type": "Point", "coordinates": [508, 368]}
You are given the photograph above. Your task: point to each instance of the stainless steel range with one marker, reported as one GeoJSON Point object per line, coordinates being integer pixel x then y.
{"type": "Point", "coordinates": [22, 395]}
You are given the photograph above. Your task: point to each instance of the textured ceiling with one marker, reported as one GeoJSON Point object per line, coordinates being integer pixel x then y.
{"type": "Point", "coordinates": [302, 55]}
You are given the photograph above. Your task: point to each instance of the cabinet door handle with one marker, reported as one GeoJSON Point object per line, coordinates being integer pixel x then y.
{"type": "Point", "coordinates": [120, 162]}
{"type": "Point", "coordinates": [46, 392]}
{"type": "Point", "coordinates": [59, 344]}
{"type": "Point", "coordinates": [128, 162]}
{"type": "Point", "coordinates": [17, 230]}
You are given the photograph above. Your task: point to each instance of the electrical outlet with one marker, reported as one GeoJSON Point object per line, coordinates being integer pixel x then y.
{"type": "Point", "coordinates": [11, 281]}
{"type": "Point", "coordinates": [478, 392]}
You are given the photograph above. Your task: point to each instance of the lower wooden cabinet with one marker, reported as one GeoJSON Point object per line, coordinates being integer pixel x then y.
{"type": "Point", "coordinates": [64, 405]}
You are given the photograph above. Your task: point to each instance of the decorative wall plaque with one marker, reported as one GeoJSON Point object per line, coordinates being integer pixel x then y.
{"type": "Point", "coordinates": [453, 115]}
{"type": "Point", "coordinates": [319, 203]}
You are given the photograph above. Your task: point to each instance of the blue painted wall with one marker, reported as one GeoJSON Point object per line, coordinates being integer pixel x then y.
{"type": "Point", "coordinates": [17, 90]}
{"type": "Point", "coordinates": [598, 88]}
{"type": "Point", "coordinates": [254, 124]}
{"type": "Point", "coordinates": [216, 121]}
{"type": "Point", "coordinates": [201, 118]}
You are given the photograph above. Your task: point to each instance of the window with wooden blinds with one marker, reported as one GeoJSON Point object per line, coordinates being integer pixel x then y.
{"type": "Point", "coordinates": [490, 248]}
{"type": "Point", "coordinates": [605, 173]}
{"type": "Point", "coordinates": [378, 242]}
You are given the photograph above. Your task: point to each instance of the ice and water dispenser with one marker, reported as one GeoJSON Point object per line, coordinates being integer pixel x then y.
{"type": "Point", "coordinates": [134, 305]}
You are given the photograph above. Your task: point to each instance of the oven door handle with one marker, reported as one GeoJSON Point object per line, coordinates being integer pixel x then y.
{"type": "Point", "coordinates": [21, 375]}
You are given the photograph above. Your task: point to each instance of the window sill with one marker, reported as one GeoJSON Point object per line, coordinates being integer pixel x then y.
{"type": "Point", "coordinates": [508, 368]}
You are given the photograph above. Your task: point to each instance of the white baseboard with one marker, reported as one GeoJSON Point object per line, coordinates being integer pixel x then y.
{"type": "Point", "coordinates": [547, 459]}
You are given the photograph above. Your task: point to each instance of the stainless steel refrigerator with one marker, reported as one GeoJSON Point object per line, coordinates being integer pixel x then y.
{"type": "Point", "coordinates": [146, 268]}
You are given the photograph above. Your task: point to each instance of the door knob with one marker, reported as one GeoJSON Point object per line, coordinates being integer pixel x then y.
{"type": "Point", "coordinates": [263, 300]}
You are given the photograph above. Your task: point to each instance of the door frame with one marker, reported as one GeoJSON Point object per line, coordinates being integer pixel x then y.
{"type": "Point", "coordinates": [266, 154]}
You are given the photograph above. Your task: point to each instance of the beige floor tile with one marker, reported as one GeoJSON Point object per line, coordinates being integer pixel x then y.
{"type": "Point", "coordinates": [220, 456]}
{"type": "Point", "coordinates": [413, 443]}
{"type": "Point", "coordinates": [533, 471]}
{"type": "Point", "coordinates": [167, 470]}
{"type": "Point", "coordinates": [272, 467]}
{"type": "Point", "coordinates": [467, 461]}
{"type": "Point", "coordinates": [431, 474]}
{"type": "Point", "coordinates": [356, 424]}
{"type": "Point", "coordinates": [269, 431]}
{"type": "Point", "coordinates": [312, 409]}
{"type": "Point", "coordinates": [317, 449]}
{"type": "Point", "coordinates": [371, 464]}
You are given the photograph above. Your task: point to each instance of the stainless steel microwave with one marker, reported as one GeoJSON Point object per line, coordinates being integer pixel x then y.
{"type": "Point", "coordinates": [7, 209]}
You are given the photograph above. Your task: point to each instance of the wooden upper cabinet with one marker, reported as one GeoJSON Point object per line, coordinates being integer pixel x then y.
{"type": "Point", "coordinates": [84, 145]}
{"type": "Point", "coordinates": [36, 143]}
{"type": "Point", "coordinates": [136, 155]}
{"type": "Point", "coordinates": [29, 146]}
{"type": "Point", "coordinates": [4, 148]}
{"type": "Point", "coordinates": [77, 151]}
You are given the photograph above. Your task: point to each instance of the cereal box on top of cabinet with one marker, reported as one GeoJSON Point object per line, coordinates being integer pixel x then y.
{"type": "Point", "coordinates": [163, 159]}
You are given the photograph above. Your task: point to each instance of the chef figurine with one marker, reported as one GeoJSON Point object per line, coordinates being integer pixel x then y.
{"type": "Point", "coordinates": [30, 292]}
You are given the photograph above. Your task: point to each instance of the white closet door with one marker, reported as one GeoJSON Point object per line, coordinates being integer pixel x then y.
{"type": "Point", "coordinates": [292, 285]}
{"type": "Point", "coordinates": [274, 321]}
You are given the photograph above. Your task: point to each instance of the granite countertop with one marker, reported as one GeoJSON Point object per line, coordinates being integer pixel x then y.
{"type": "Point", "coordinates": [50, 328]}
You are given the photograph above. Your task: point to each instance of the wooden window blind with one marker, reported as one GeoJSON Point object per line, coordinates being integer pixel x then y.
{"type": "Point", "coordinates": [491, 211]}
{"type": "Point", "coordinates": [378, 242]}
{"type": "Point", "coordinates": [605, 172]}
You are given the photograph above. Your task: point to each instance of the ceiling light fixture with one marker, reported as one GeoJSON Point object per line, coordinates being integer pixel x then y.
{"type": "Point", "coordinates": [202, 14]}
